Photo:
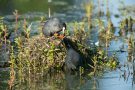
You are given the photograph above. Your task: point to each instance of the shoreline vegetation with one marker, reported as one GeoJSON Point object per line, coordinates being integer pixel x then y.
{"type": "Point", "coordinates": [36, 53]}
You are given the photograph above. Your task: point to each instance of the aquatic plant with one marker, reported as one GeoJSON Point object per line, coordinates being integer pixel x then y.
{"type": "Point", "coordinates": [126, 25]}
{"type": "Point", "coordinates": [12, 71]}
{"type": "Point", "coordinates": [15, 13]}
{"type": "Point", "coordinates": [4, 44]}
{"type": "Point", "coordinates": [3, 32]}
{"type": "Point", "coordinates": [89, 12]}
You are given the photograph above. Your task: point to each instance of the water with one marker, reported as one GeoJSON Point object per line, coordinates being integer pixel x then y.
{"type": "Point", "coordinates": [72, 10]}
{"type": "Point", "coordinates": [59, 8]}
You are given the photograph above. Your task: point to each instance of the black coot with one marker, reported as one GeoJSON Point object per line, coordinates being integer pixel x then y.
{"type": "Point", "coordinates": [73, 59]}
{"type": "Point", "coordinates": [52, 26]}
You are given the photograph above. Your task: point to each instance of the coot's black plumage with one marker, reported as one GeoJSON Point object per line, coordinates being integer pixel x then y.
{"type": "Point", "coordinates": [73, 59]}
{"type": "Point", "coordinates": [52, 26]}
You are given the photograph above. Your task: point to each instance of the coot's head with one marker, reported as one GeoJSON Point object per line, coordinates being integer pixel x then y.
{"type": "Point", "coordinates": [54, 27]}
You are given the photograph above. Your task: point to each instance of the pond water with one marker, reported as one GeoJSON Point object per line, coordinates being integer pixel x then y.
{"type": "Point", "coordinates": [73, 10]}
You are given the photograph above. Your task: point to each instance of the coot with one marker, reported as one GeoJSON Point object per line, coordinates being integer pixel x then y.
{"type": "Point", "coordinates": [73, 59]}
{"type": "Point", "coordinates": [53, 26]}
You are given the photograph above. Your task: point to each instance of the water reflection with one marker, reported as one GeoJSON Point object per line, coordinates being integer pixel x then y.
{"type": "Point", "coordinates": [51, 81]}
{"type": "Point", "coordinates": [119, 79]}
{"type": "Point", "coordinates": [57, 81]}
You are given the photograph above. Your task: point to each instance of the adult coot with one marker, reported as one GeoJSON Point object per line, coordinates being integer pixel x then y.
{"type": "Point", "coordinates": [73, 59]}
{"type": "Point", "coordinates": [53, 26]}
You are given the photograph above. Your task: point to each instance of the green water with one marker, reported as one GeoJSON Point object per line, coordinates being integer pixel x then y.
{"type": "Point", "coordinates": [25, 6]}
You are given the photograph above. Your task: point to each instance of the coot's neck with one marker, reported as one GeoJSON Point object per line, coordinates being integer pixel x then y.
{"type": "Point", "coordinates": [66, 42]}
